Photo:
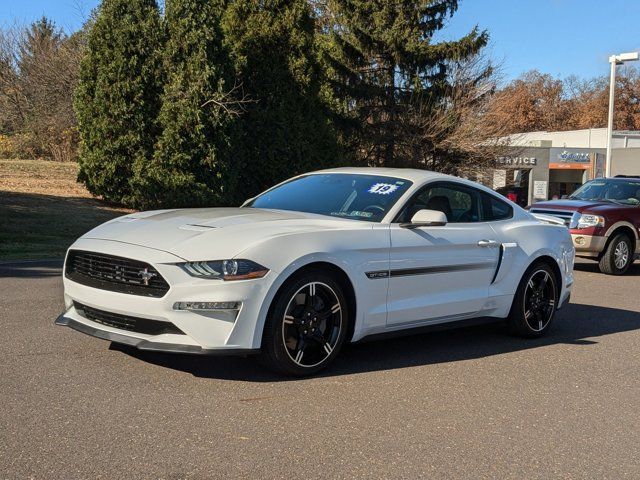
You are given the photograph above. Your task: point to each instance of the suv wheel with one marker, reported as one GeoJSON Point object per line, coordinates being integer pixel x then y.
{"type": "Point", "coordinates": [618, 256]}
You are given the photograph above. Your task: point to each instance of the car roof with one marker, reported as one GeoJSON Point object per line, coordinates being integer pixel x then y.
{"type": "Point", "coordinates": [418, 177]}
{"type": "Point", "coordinates": [617, 178]}
{"type": "Point", "coordinates": [632, 178]}
{"type": "Point", "coordinates": [412, 174]}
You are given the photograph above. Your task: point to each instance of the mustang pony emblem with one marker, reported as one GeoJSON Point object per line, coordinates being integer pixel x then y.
{"type": "Point", "coordinates": [146, 275]}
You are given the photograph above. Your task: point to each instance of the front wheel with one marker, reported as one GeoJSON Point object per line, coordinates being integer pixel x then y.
{"type": "Point", "coordinates": [306, 326]}
{"type": "Point", "coordinates": [618, 256]}
{"type": "Point", "coordinates": [534, 305]}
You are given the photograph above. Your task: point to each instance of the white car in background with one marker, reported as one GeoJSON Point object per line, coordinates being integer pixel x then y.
{"type": "Point", "coordinates": [322, 259]}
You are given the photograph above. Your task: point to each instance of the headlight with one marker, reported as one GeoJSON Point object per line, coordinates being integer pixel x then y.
{"type": "Point", "coordinates": [587, 220]}
{"type": "Point", "coordinates": [225, 269]}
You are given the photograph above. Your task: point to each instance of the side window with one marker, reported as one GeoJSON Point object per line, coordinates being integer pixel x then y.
{"type": "Point", "coordinates": [495, 209]}
{"type": "Point", "coordinates": [459, 203]}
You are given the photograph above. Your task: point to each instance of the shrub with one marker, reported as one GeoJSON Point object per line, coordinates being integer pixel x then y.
{"type": "Point", "coordinates": [118, 98]}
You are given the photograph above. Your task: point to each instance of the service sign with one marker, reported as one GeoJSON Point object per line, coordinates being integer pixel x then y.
{"type": "Point", "coordinates": [523, 161]}
{"type": "Point", "coordinates": [570, 158]}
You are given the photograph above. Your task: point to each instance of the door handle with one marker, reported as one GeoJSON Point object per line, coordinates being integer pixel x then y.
{"type": "Point", "coordinates": [488, 243]}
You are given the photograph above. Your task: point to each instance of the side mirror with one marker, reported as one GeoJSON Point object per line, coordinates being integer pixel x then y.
{"type": "Point", "coordinates": [426, 218]}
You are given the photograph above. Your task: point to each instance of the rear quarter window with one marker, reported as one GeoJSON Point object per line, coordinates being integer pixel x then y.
{"type": "Point", "coordinates": [494, 209]}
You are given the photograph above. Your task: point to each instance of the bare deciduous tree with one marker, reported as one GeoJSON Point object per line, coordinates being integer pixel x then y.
{"type": "Point", "coordinates": [540, 102]}
{"type": "Point", "coordinates": [533, 102]}
{"type": "Point", "coordinates": [38, 74]}
{"type": "Point", "coordinates": [460, 135]}
{"type": "Point", "coordinates": [233, 103]}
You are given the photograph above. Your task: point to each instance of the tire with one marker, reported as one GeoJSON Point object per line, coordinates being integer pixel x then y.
{"type": "Point", "coordinates": [618, 256]}
{"type": "Point", "coordinates": [535, 303]}
{"type": "Point", "coordinates": [306, 325]}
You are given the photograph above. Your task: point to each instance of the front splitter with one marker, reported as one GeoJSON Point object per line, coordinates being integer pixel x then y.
{"type": "Point", "coordinates": [147, 345]}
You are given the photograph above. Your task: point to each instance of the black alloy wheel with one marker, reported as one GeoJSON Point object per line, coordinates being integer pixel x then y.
{"type": "Point", "coordinates": [312, 324]}
{"type": "Point", "coordinates": [539, 300]}
{"type": "Point", "coordinates": [535, 303]}
{"type": "Point", "coordinates": [306, 327]}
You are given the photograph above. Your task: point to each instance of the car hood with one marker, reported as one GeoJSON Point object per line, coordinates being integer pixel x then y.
{"type": "Point", "coordinates": [204, 233]}
{"type": "Point", "coordinates": [592, 206]}
{"type": "Point", "coordinates": [566, 204]}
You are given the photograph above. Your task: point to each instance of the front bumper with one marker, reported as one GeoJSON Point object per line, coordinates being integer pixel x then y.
{"type": "Point", "coordinates": [148, 345]}
{"type": "Point", "coordinates": [202, 332]}
{"type": "Point", "coordinates": [588, 245]}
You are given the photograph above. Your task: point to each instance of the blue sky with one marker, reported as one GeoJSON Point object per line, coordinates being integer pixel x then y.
{"type": "Point", "coordinates": [560, 37]}
{"type": "Point", "coordinates": [68, 14]}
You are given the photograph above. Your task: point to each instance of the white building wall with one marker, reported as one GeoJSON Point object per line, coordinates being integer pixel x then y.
{"type": "Point", "coordinates": [591, 138]}
{"type": "Point", "coordinates": [625, 161]}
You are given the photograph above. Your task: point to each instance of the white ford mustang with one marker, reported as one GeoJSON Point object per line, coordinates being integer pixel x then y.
{"type": "Point", "coordinates": [322, 259]}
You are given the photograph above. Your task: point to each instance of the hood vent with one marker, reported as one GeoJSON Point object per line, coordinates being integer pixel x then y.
{"type": "Point", "coordinates": [196, 228]}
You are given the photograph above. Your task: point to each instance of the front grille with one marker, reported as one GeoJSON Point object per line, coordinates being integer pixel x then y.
{"type": "Point", "coordinates": [115, 274]}
{"type": "Point", "coordinates": [125, 322]}
{"type": "Point", "coordinates": [564, 215]}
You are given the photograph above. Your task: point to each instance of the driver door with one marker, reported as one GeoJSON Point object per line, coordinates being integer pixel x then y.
{"type": "Point", "coordinates": [443, 272]}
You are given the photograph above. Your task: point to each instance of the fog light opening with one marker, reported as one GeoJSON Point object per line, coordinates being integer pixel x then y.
{"type": "Point", "coordinates": [580, 240]}
{"type": "Point", "coordinates": [206, 306]}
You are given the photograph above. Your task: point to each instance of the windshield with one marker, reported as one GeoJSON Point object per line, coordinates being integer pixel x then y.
{"type": "Point", "coordinates": [359, 197]}
{"type": "Point", "coordinates": [615, 191]}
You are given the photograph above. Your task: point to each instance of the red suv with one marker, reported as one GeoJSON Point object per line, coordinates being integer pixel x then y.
{"type": "Point", "coordinates": [604, 219]}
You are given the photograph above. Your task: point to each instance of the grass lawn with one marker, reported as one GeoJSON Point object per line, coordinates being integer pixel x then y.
{"type": "Point", "coordinates": [43, 209]}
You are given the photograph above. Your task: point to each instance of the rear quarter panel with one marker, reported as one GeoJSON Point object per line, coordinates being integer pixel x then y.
{"type": "Point", "coordinates": [525, 241]}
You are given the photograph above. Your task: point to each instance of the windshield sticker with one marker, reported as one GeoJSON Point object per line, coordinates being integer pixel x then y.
{"type": "Point", "coordinates": [354, 213]}
{"type": "Point", "coordinates": [383, 188]}
{"type": "Point", "coordinates": [358, 213]}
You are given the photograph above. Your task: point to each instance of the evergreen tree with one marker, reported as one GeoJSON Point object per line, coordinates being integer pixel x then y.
{"type": "Point", "coordinates": [284, 129]}
{"type": "Point", "coordinates": [39, 39]}
{"type": "Point", "coordinates": [191, 162]}
{"type": "Point", "coordinates": [117, 99]}
{"type": "Point", "coordinates": [387, 73]}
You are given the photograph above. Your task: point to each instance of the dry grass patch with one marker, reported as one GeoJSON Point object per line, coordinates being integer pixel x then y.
{"type": "Point", "coordinates": [41, 176]}
{"type": "Point", "coordinates": [43, 209]}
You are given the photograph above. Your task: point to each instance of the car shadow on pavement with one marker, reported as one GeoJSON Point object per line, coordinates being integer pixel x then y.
{"type": "Point", "coordinates": [576, 324]}
{"type": "Point", "coordinates": [31, 269]}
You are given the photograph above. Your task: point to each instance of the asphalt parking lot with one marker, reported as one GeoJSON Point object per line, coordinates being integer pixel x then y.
{"type": "Point", "coordinates": [470, 402]}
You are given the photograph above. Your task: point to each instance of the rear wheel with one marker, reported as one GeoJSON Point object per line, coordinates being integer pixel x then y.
{"type": "Point", "coordinates": [535, 303]}
{"type": "Point", "coordinates": [306, 326]}
{"type": "Point", "coordinates": [618, 256]}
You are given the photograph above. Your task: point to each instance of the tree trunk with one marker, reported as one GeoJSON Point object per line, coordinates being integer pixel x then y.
{"type": "Point", "coordinates": [390, 141]}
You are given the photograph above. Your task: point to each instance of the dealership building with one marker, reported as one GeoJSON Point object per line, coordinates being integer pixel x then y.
{"type": "Point", "coordinates": [546, 165]}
